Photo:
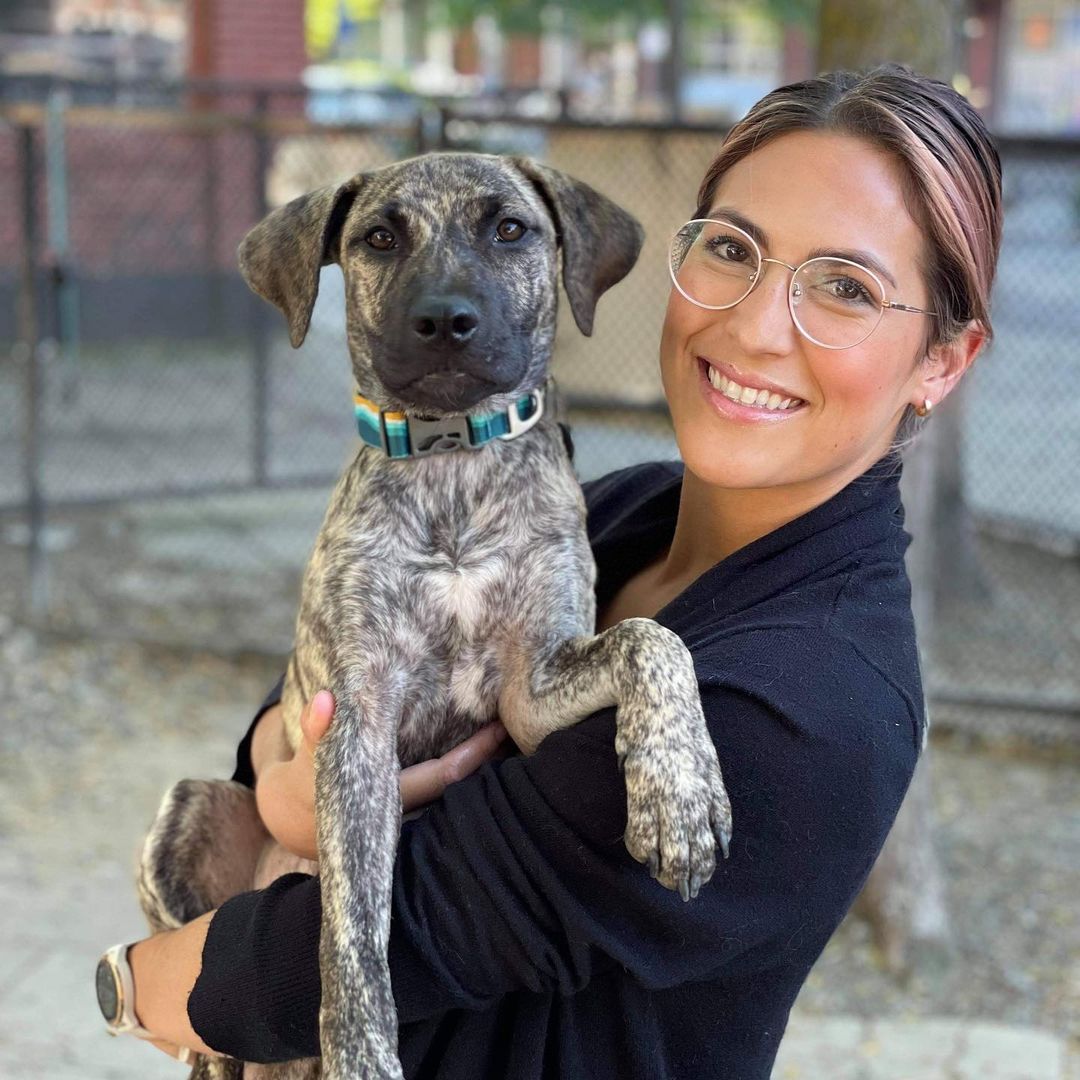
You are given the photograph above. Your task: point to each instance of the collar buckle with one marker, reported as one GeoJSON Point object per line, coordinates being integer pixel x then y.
{"type": "Point", "coordinates": [438, 436]}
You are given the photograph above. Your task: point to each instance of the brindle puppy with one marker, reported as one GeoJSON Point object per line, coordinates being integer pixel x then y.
{"type": "Point", "coordinates": [445, 589]}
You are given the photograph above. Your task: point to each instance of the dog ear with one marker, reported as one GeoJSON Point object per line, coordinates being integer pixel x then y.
{"type": "Point", "coordinates": [280, 257]}
{"type": "Point", "coordinates": [600, 240]}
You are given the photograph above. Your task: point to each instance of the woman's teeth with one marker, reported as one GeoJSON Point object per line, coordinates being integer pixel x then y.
{"type": "Point", "coordinates": [747, 395]}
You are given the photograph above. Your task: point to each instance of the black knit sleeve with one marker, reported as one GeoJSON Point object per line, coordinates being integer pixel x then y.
{"type": "Point", "coordinates": [517, 879]}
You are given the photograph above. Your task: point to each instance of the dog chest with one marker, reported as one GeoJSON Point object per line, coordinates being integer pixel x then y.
{"type": "Point", "coordinates": [433, 570]}
{"type": "Point", "coordinates": [466, 593]}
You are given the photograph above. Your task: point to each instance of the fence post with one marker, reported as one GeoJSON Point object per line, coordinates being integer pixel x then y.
{"type": "Point", "coordinates": [443, 136]}
{"type": "Point", "coordinates": [419, 138]}
{"type": "Point", "coordinates": [29, 349]}
{"type": "Point", "coordinates": [260, 341]}
{"type": "Point", "coordinates": [215, 283]}
{"type": "Point", "coordinates": [65, 285]}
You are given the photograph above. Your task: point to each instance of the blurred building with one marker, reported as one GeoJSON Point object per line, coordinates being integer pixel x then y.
{"type": "Point", "coordinates": [92, 39]}
{"type": "Point", "coordinates": [1040, 71]}
{"type": "Point", "coordinates": [1020, 59]}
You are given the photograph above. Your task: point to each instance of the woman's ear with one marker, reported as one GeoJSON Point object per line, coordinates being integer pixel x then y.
{"type": "Point", "coordinates": [946, 364]}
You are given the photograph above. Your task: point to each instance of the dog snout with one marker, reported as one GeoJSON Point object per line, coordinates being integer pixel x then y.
{"type": "Point", "coordinates": [444, 321]}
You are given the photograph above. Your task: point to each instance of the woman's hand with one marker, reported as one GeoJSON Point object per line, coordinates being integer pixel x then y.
{"type": "Point", "coordinates": [285, 785]}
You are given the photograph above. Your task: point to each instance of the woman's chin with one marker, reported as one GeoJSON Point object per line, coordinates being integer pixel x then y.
{"type": "Point", "coordinates": [724, 464]}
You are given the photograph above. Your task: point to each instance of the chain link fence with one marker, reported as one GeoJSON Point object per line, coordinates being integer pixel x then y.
{"type": "Point", "coordinates": [136, 365]}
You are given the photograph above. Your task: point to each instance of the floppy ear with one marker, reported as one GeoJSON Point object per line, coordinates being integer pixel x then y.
{"type": "Point", "coordinates": [281, 257]}
{"type": "Point", "coordinates": [600, 240]}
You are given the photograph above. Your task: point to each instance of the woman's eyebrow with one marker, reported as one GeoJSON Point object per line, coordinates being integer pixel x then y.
{"type": "Point", "coordinates": [744, 223]}
{"type": "Point", "coordinates": [871, 262]}
{"type": "Point", "coordinates": [864, 258]}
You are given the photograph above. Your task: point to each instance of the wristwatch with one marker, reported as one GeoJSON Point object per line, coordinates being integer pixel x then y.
{"type": "Point", "coordinates": [116, 994]}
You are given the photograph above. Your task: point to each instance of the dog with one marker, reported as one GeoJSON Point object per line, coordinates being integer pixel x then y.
{"type": "Point", "coordinates": [452, 584]}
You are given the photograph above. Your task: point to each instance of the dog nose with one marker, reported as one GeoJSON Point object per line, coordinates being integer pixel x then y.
{"type": "Point", "coordinates": [444, 320]}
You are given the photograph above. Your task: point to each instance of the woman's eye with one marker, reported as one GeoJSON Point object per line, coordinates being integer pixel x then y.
{"type": "Point", "coordinates": [724, 247]}
{"type": "Point", "coordinates": [849, 289]}
{"type": "Point", "coordinates": [509, 230]}
{"type": "Point", "coordinates": [380, 239]}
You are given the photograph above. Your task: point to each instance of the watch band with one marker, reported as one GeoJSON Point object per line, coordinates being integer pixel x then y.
{"type": "Point", "coordinates": [116, 994]}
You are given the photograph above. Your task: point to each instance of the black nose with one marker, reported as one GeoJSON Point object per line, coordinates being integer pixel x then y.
{"type": "Point", "coordinates": [443, 320]}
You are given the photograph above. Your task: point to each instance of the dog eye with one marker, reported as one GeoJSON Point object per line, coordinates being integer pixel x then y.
{"type": "Point", "coordinates": [509, 230]}
{"type": "Point", "coordinates": [380, 239]}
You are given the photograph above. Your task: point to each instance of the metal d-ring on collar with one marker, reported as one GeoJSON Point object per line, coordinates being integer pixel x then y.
{"type": "Point", "coordinates": [400, 435]}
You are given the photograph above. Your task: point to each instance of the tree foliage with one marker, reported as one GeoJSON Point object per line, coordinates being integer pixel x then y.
{"type": "Point", "coordinates": [527, 17]}
{"type": "Point", "coordinates": [858, 34]}
{"type": "Point", "coordinates": [801, 13]}
{"type": "Point", "coordinates": [849, 33]}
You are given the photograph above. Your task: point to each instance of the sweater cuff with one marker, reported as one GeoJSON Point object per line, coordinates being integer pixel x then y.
{"type": "Point", "coordinates": [257, 995]}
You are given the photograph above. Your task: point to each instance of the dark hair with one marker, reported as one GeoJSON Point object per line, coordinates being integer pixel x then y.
{"type": "Point", "coordinates": [951, 167]}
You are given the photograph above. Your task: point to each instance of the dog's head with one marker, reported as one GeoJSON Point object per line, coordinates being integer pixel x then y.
{"type": "Point", "coordinates": [450, 265]}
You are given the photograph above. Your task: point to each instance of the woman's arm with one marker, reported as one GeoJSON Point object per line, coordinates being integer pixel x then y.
{"type": "Point", "coordinates": [164, 969]}
{"type": "Point", "coordinates": [518, 879]}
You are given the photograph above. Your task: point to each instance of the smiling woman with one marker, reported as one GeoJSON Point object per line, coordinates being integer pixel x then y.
{"type": "Point", "coordinates": [834, 208]}
{"type": "Point", "coordinates": [831, 286]}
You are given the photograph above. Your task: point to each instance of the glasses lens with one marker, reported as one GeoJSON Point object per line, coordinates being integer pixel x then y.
{"type": "Point", "coordinates": [836, 302]}
{"type": "Point", "coordinates": [713, 263]}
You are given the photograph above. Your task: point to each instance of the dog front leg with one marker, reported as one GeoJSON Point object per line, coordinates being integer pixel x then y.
{"type": "Point", "coordinates": [677, 807]}
{"type": "Point", "coordinates": [358, 815]}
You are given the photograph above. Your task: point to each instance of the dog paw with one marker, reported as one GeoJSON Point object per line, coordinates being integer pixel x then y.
{"type": "Point", "coordinates": [678, 813]}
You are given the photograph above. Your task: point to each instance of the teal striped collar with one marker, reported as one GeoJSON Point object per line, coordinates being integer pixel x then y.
{"type": "Point", "coordinates": [400, 435]}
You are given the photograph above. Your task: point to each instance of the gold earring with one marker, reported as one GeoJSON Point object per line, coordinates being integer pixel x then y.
{"type": "Point", "coordinates": [925, 409]}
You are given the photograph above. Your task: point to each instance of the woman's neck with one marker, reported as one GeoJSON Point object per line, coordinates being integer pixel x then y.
{"type": "Point", "coordinates": [715, 522]}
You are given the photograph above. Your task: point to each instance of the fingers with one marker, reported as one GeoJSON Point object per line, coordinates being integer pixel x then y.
{"type": "Point", "coordinates": [426, 781]}
{"type": "Point", "coordinates": [315, 718]}
{"type": "Point", "coordinates": [421, 784]}
{"type": "Point", "coordinates": [472, 753]}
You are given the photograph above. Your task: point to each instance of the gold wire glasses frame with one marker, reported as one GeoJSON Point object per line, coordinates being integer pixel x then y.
{"type": "Point", "coordinates": [840, 298]}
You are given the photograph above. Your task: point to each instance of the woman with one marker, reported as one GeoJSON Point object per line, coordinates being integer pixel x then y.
{"type": "Point", "coordinates": [832, 288]}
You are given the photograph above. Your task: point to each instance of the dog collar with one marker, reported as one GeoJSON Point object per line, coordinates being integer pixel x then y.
{"type": "Point", "coordinates": [400, 435]}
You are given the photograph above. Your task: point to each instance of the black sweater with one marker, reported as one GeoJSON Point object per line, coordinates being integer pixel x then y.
{"type": "Point", "coordinates": [525, 941]}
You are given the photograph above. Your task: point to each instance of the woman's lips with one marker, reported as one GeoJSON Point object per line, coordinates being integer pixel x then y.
{"type": "Point", "coordinates": [737, 410]}
{"type": "Point", "coordinates": [754, 382]}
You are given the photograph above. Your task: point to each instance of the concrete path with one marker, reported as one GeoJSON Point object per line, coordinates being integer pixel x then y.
{"type": "Point", "coordinates": [847, 1048]}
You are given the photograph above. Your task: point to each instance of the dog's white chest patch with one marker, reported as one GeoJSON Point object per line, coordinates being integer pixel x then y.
{"type": "Point", "coordinates": [467, 593]}
{"type": "Point", "coordinates": [472, 692]}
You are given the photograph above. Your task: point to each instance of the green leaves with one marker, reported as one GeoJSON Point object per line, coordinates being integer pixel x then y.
{"type": "Point", "coordinates": [526, 16]}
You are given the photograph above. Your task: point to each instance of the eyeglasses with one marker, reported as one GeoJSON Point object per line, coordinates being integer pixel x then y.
{"type": "Point", "coordinates": [835, 303]}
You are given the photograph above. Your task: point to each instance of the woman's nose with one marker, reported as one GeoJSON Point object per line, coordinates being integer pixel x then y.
{"type": "Point", "coordinates": [761, 322]}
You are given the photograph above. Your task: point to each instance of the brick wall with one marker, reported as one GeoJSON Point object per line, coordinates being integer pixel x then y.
{"type": "Point", "coordinates": [521, 62]}
{"type": "Point", "coordinates": [246, 40]}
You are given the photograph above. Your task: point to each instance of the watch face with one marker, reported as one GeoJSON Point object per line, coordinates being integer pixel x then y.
{"type": "Point", "coordinates": [107, 994]}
